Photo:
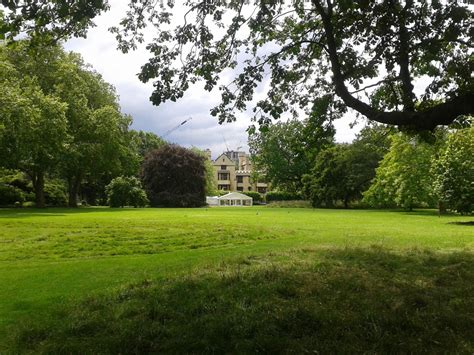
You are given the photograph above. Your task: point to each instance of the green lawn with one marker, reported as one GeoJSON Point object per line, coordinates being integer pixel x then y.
{"type": "Point", "coordinates": [235, 280]}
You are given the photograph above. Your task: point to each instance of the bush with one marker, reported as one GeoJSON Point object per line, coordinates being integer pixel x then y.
{"type": "Point", "coordinates": [282, 196]}
{"type": "Point", "coordinates": [290, 204]}
{"type": "Point", "coordinates": [255, 195]}
{"type": "Point", "coordinates": [16, 179]}
{"type": "Point", "coordinates": [126, 191]}
{"type": "Point", "coordinates": [174, 176]}
{"type": "Point", "coordinates": [10, 194]}
{"type": "Point", "coordinates": [55, 193]}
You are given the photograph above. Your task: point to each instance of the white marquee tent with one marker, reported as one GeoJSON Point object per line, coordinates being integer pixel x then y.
{"type": "Point", "coordinates": [230, 199]}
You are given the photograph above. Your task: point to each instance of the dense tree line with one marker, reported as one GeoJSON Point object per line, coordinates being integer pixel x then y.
{"type": "Point", "coordinates": [60, 120]}
{"type": "Point", "coordinates": [381, 168]}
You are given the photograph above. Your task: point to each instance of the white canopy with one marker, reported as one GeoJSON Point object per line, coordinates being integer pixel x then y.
{"type": "Point", "coordinates": [235, 196]}
{"type": "Point", "coordinates": [235, 199]}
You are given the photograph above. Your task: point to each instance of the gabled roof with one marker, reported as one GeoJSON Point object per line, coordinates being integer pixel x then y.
{"type": "Point", "coordinates": [235, 196]}
{"type": "Point", "coordinates": [223, 160]}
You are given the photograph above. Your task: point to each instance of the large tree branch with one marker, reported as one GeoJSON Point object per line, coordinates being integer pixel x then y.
{"type": "Point", "coordinates": [441, 114]}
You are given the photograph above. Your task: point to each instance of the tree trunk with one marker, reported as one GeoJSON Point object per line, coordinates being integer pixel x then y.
{"type": "Point", "coordinates": [346, 202]}
{"type": "Point", "coordinates": [73, 189]}
{"type": "Point", "coordinates": [38, 184]}
{"type": "Point", "coordinates": [441, 208]}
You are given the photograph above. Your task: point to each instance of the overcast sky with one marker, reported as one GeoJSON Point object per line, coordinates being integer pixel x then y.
{"type": "Point", "coordinates": [203, 131]}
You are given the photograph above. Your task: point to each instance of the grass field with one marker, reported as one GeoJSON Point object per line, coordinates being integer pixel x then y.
{"type": "Point", "coordinates": [235, 280]}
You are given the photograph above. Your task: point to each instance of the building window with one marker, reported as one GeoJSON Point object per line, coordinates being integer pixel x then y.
{"type": "Point", "coordinates": [223, 167]}
{"type": "Point", "coordinates": [250, 188]}
{"type": "Point", "coordinates": [240, 188]}
{"type": "Point", "coordinates": [240, 179]}
{"type": "Point", "coordinates": [223, 176]}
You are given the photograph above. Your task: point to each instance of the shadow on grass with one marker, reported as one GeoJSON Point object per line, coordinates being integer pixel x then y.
{"type": "Point", "coordinates": [463, 223]}
{"type": "Point", "coordinates": [343, 301]}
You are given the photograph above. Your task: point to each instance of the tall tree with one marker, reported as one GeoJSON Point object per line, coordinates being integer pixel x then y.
{"type": "Point", "coordinates": [145, 142]}
{"type": "Point", "coordinates": [403, 178]}
{"type": "Point", "coordinates": [211, 182]}
{"type": "Point", "coordinates": [454, 171]}
{"type": "Point", "coordinates": [284, 152]}
{"type": "Point", "coordinates": [33, 125]}
{"type": "Point", "coordinates": [97, 131]}
{"type": "Point", "coordinates": [341, 173]}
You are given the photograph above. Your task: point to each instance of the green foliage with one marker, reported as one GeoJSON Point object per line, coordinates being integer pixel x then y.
{"type": "Point", "coordinates": [29, 114]}
{"type": "Point", "coordinates": [15, 178]}
{"type": "Point", "coordinates": [92, 139]}
{"type": "Point", "coordinates": [403, 178]}
{"type": "Point", "coordinates": [282, 196]}
{"type": "Point", "coordinates": [290, 204]}
{"type": "Point", "coordinates": [257, 197]}
{"type": "Point", "coordinates": [146, 142]}
{"type": "Point", "coordinates": [342, 172]}
{"type": "Point", "coordinates": [9, 195]}
{"type": "Point", "coordinates": [126, 191]}
{"type": "Point", "coordinates": [56, 19]}
{"type": "Point", "coordinates": [55, 192]}
{"type": "Point", "coordinates": [174, 177]}
{"type": "Point", "coordinates": [454, 171]}
{"type": "Point", "coordinates": [211, 183]}
{"type": "Point", "coordinates": [315, 53]}
{"type": "Point", "coordinates": [283, 152]}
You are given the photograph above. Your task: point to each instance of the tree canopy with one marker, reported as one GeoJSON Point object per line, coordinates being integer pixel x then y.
{"type": "Point", "coordinates": [403, 178]}
{"type": "Point", "coordinates": [454, 171]}
{"type": "Point", "coordinates": [364, 55]}
{"type": "Point", "coordinates": [59, 116]}
{"type": "Point", "coordinates": [285, 151]}
{"type": "Point", "coordinates": [342, 172]}
{"type": "Point", "coordinates": [33, 126]}
{"type": "Point", "coordinates": [55, 19]}
{"type": "Point", "coordinates": [174, 176]}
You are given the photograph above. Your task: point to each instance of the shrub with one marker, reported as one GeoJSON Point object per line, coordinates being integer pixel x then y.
{"type": "Point", "coordinates": [255, 195]}
{"type": "Point", "coordinates": [174, 176]}
{"type": "Point", "coordinates": [55, 193]}
{"type": "Point", "coordinates": [10, 194]}
{"type": "Point", "coordinates": [290, 204]}
{"type": "Point", "coordinates": [126, 191]}
{"type": "Point", "coordinates": [282, 196]}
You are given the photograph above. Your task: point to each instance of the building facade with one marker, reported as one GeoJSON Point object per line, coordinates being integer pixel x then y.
{"type": "Point", "coordinates": [233, 172]}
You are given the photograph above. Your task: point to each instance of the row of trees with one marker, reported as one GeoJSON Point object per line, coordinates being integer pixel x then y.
{"type": "Point", "coordinates": [60, 120]}
{"type": "Point", "coordinates": [382, 167]}
{"type": "Point", "coordinates": [416, 173]}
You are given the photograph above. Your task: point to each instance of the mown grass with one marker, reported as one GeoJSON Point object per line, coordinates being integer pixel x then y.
{"type": "Point", "coordinates": [235, 280]}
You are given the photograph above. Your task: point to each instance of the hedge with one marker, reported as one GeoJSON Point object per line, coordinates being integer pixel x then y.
{"type": "Point", "coordinates": [282, 196]}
